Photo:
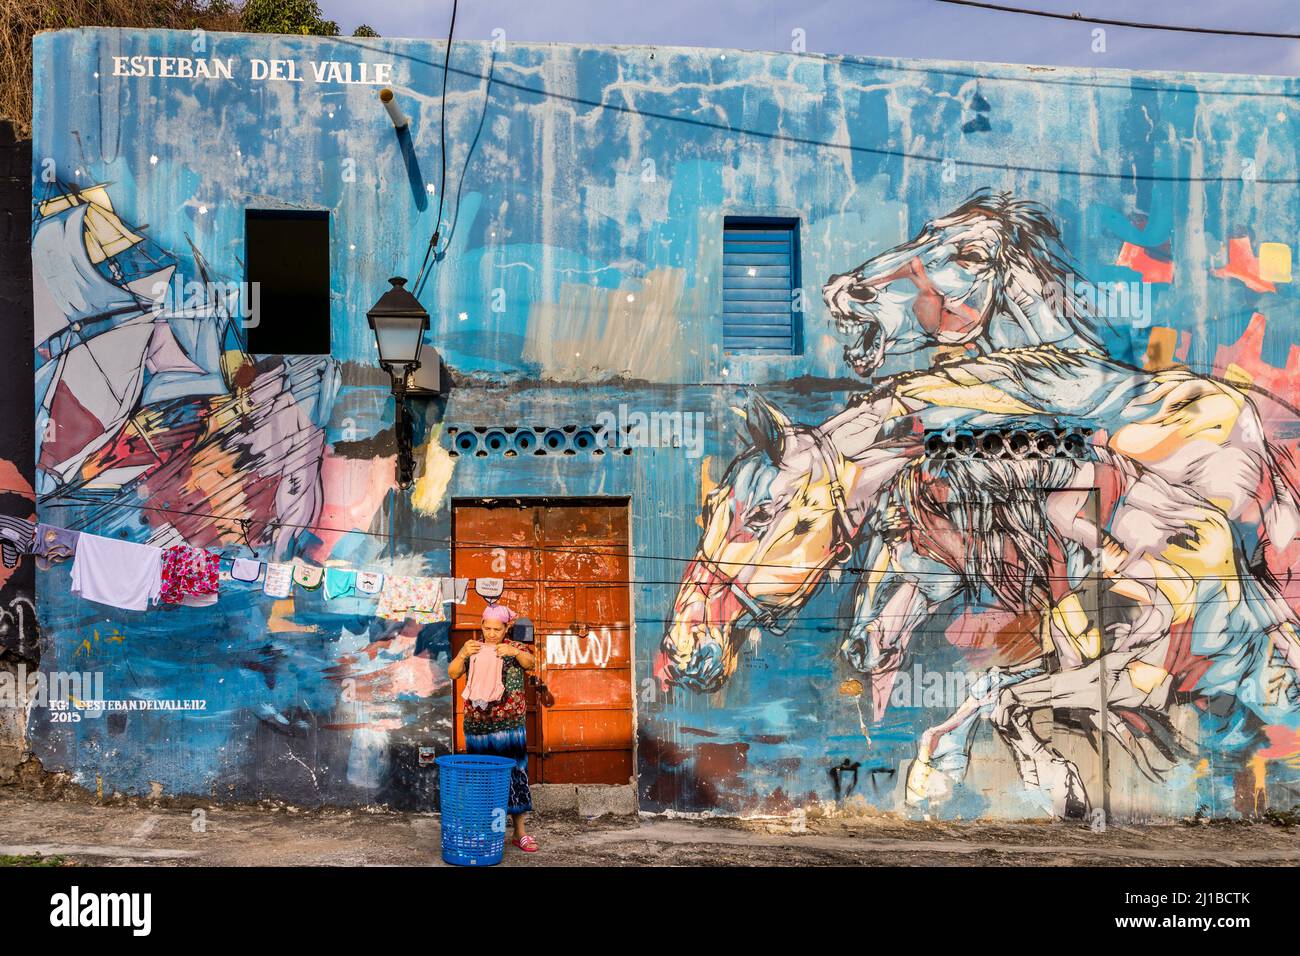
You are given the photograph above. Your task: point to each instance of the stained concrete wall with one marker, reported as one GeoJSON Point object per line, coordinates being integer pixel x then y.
{"type": "Point", "coordinates": [582, 273]}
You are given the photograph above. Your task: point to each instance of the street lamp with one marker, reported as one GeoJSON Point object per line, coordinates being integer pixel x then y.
{"type": "Point", "coordinates": [399, 323]}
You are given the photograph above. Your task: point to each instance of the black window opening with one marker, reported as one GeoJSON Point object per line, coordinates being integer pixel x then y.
{"type": "Point", "coordinates": [287, 266]}
{"type": "Point", "coordinates": [760, 279]}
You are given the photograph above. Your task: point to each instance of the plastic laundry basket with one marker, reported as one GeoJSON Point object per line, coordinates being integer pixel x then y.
{"type": "Point", "coordinates": [474, 791]}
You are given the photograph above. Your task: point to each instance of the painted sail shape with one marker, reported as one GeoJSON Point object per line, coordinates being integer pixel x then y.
{"type": "Point", "coordinates": [106, 235]}
{"type": "Point", "coordinates": [67, 287]}
{"type": "Point", "coordinates": [152, 288]}
{"type": "Point", "coordinates": [184, 357]}
{"type": "Point", "coordinates": [96, 385]}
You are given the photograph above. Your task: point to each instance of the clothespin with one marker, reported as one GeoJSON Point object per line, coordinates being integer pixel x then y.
{"type": "Point", "coordinates": [245, 526]}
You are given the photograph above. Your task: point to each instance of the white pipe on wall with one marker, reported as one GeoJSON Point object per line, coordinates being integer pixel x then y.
{"type": "Point", "coordinates": [394, 111]}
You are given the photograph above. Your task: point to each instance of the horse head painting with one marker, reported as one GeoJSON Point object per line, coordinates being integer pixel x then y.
{"type": "Point", "coordinates": [990, 274]}
{"type": "Point", "coordinates": [1148, 554]}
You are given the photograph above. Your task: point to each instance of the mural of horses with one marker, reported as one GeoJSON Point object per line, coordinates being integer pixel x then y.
{"type": "Point", "coordinates": [1192, 486]}
{"type": "Point", "coordinates": [801, 498]}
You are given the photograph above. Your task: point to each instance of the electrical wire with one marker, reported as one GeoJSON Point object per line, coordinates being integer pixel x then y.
{"type": "Point", "coordinates": [606, 550]}
{"type": "Point", "coordinates": [442, 156]}
{"type": "Point", "coordinates": [859, 148]}
{"type": "Point", "coordinates": [1133, 24]}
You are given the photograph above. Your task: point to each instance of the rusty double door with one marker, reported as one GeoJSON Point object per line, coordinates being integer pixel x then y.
{"type": "Point", "coordinates": [565, 566]}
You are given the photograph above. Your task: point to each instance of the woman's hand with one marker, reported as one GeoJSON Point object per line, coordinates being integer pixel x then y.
{"type": "Point", "coordinates": [507, 650]}
{"type": "Point", "coordinates": [470, 649]}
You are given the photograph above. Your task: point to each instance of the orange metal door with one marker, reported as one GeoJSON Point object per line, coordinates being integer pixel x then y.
{"type": "Point", "coordinates": [565, 567]}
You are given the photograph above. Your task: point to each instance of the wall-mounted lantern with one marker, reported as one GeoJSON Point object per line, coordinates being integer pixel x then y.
{"type": "Point", "coordinates": [399, 323]}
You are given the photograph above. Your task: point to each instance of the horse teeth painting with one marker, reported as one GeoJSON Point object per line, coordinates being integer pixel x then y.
{"type": "Point", "coordinates": [1152, 564]}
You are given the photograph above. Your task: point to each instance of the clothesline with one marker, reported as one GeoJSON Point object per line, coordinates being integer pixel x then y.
{"type": "Point", "coordinates": [133, 576]}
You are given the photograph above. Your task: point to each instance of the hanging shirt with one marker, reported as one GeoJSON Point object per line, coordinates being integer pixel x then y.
{"type": "Point", "coordinates": [278, 582]}
{"type": "Point", "coordinates": [484, 684]}
{"type": "Point", "coordinates": [53, 544]}
{"type": "Point", "coordinates": [190, 575]}
{"type": "Point", "coordinates": [369, 582]}
{"type": "Point", "coordinates": [338, 582]}
{"type": "Point", "coordinates": [117, 573]}
{"type": "Point", "coordinates": [454, 590]}
{"type": "Point", "coordinates": [17, 536]}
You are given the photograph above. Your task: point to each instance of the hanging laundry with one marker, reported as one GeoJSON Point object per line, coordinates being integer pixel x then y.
{"type": "Point", "coordinates": [489, 588]}
{"type": "Point", "coordinates": [338, 582]}
{"type": "Point", "coordinates": [369, 582]}
{"type": "Point", "coordinates": [484, 685]}
{"type": "Point", "coordinates": [17, 537]}
{"type": "Point", "coordinates": [419, 599]}
{"type": "Point", "coordinates": [278, 582]}
{"type": "Point", "coordinates": [307, 576]}
{"type": "Point", "coordinates": [117, 573]}
{"type": "Point", "coordinates": [190, 576]}
{"type": "Point", "coordinates": [246, 570]}
{"type": "Point", "coordinates": [53, 545]}
{"type": "Point", "coordinates": [454, 590]}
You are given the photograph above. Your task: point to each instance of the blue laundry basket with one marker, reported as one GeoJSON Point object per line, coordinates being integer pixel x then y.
{"type": "Point", "coordinates": [475, 792]}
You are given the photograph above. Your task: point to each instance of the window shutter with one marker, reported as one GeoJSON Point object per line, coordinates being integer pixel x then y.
{"type": "Point", "coordinates": [759, 273]}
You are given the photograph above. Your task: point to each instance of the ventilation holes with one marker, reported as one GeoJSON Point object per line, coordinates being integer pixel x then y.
{"type": "Point", "coordinates": [1028, 443]}
{"type": "Point", "coordinates": [511, 441]}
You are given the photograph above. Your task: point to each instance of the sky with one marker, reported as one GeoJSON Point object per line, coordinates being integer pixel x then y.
{"type": "Point", "coordinates": [926, 29]}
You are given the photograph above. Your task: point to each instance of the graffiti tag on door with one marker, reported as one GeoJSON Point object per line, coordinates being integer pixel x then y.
{"type": "Point", "coordinates": [570, 648]}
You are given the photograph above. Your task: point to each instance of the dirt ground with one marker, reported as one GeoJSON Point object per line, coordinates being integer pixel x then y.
{"type": "Point", "coordinates": [88, 833]}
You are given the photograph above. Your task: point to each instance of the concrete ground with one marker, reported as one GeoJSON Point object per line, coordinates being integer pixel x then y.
{"type": "Point", "coordinates": [93, 834]}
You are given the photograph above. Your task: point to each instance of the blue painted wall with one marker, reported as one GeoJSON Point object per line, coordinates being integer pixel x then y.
{"type": "Point", "coordinates": [583, 214]}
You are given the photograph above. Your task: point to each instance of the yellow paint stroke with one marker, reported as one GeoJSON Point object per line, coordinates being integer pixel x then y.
{"type": "Point", "coordinates": [431, 487]}
{"type": "Point", "coordinates": [1072, 620]}
{"type": "Point", "coordinates": [1160, 349]}
{"type": "Point", "coordinates": [1258, 765]}
{"type": "Point", "coordinates": [707, 484]}
{"type": "Point", "coordinates": [1146, 677]}
{"type": "Point", "coordinates": [1275, 262]}
{"type": "Point", "coordinates": [569, 338]}
{"type": "Point", "coordinates": [936, 390]}
{"type": "Point", "coordinates": [281, 620]}
{"type": "Point", "coordinates": [114, 637]}
{"type": "Point", "coordinates": [1237, 375]}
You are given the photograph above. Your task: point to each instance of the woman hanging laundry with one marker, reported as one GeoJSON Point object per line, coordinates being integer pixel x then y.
{"type": "Point", "coordinates": [497, 727]}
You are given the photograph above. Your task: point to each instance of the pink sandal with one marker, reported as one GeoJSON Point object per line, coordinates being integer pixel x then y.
{"type": "Point", "coordinates": [526, 843]}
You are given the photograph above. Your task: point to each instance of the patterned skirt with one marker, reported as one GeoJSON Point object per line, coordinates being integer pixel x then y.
{"type": "Point", "coordinates": [512, 744]}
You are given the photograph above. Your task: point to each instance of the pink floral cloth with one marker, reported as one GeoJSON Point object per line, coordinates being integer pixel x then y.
{"type": "Point", "coordinates": [419, 599]}
{"type": "Point", "coordinates": [188, 572]}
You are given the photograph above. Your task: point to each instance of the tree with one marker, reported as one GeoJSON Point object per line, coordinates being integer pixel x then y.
{"type": "Point", "coordinates": [286, 16]}
{"type": "Point", "coordinates": [365, 30]}
{"type": "Point", "coordinates": [20, 20]}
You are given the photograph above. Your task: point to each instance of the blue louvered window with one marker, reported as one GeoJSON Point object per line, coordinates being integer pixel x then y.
{"type": "Point", "coordinates": [760, 273]}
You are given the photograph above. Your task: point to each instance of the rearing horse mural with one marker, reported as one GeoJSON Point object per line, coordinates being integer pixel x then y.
{"type": "Point", "coordinates": [1196, 502]}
